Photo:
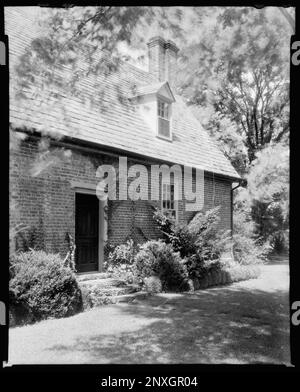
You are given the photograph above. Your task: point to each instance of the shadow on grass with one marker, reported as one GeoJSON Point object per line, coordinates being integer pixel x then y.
{"type": "Point", "coordinates": [220, 325]}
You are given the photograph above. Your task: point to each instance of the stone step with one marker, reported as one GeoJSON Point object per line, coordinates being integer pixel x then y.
{"type": "Point", "coordinates": [82, 277]}
{"type": "Point", "coordinates": [101, 289]}
{"type": "Point", "coordinates": [105, 283]}
{"type": "Point", "coordinates": [130, 297]}
{"type": "Point", "coordinates": [115, 291]}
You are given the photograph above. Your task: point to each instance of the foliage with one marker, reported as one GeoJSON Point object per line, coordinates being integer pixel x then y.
{"type": "Point", "coordinates": [247, 247]}
{"type": "Point", "coordinates": [226, 133]}
{"type": "Point", "coordinates": [153, 285]}
{"type": "Point", "coordinates": [198, 268]}
{"type": "Point", "coordinates": [199, 242]}
{"type": "Point", "coordinates": [125, 272]}
{"type": "Point", "coordinates": [164, 223]}
{"type": "Point", "coordinates": [238, 86]}
{"type": "Point", "coordinates": [226, 275]}
{"type": "Point", "coordinates": [266, 198]}
{"type": "Point", "coordinates": [157, 258]}
{"type": "Point", "coordinates": [41, 286]}
{"type": "Point", "coordinates": [120, 262]}
{"type": "Point", "coordinates": [122, 254]}
{"type": "Point", "coordinates": [199, 236]}
{"type": "Point", "coordinates": [246, 250]}
{"type": "Point", "coordinates": [243, 73]}
{"type": "Point", "coordinates": [242, 272]}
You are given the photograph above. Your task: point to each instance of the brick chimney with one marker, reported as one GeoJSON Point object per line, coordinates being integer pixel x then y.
{"type": "Point", "coordinates": [162, 59]}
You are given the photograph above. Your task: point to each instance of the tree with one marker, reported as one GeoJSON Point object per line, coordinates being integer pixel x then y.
{"type": "Point", "coordinates": [266, 198]}
{"type": "Point", "coordinates": [243, 73]}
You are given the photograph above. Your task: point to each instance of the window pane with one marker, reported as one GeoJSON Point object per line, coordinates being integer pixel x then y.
{"type": "Point", "coordinates": [163, 110]}
{"type": "Point", "coordinates": [163, 127]}
{"type": "Point", "coordinates": [168, 202]}
{"type": "Point", "coordinates": [172, 192]}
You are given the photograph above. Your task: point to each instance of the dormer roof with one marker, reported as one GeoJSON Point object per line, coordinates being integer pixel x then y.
{"type": "Point", "coordinates": [161, 89]}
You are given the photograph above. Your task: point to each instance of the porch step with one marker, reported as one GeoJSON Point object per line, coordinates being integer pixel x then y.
{"type": "Point", "coordinates": [100, 291]}
{"type": "Point", "coordinates": [103, 283]}
{"type": "Point", "coordinates": [81, 277]}
{"type": "Point", "coordinates": [127, 298]}
{"type": "Point", "coordinates": [112, 291]}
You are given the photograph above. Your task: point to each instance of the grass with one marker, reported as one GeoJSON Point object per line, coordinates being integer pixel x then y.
{"type": "Point", "coordinates": [247, 322]}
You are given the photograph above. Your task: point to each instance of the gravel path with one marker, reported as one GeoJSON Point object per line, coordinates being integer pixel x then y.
{"type": "Point", "coordinates": [247, 322]}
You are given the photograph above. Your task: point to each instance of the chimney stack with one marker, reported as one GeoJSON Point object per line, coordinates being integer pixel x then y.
{"type": "Point", "coordinates": [162, 59]}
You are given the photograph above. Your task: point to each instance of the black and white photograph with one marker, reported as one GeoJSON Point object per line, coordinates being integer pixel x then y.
{"type": "Point", "coordinates": [149, 177]}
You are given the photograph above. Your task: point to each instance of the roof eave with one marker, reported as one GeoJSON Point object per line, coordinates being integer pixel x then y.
{"type": "Point", "coordinates": [116, 151]}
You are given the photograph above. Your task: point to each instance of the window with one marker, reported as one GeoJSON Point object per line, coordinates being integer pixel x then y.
{"type": "Point", "coordinates": [169, 204]}
{"type": "Point", "coordinates": [163, 113]}
{"type": "Point", "coordinates": [163, 110]}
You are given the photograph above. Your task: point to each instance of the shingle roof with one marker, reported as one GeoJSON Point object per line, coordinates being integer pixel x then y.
{"type": "Point", "coordinates": [109, 121]}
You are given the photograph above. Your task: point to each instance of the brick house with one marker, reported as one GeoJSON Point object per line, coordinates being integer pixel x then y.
{"type": "Point", "coordinates": [150, 126]}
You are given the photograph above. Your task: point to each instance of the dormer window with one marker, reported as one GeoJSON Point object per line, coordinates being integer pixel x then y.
{"type": "Point", "coordinates": [155, 102]}
{"type": "Point", "coordinates": [163, 123]}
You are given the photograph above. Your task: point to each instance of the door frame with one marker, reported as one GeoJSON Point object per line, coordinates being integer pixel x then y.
{"type": "Point", "coordinates": [90, 189]}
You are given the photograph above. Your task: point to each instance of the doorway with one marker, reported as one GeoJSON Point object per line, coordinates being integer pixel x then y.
{"type": "Point", "coordinates": [87, 232]}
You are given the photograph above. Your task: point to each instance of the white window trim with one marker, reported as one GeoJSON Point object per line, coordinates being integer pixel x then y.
{"type": "Point", "coordinates": [159, 99]}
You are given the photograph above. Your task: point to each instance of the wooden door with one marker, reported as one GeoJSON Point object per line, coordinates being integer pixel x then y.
{"type": "Point", "coordinates": [87, 232]}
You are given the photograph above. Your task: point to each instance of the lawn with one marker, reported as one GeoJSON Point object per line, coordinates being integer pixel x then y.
{"type": "Point", "coordinates": [246, 322]}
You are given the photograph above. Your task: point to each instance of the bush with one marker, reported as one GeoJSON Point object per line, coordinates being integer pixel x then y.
{"type": "Point", "coordinates": [242, 272]}
{"type": "Point", "coordinates": [226, 276]}
{"type": "Point", "coordinates": [199, 242]}
{"type": "Point", "coordinates": [120, 262]}
{"type": "Point", "coordinates": [122, 254]}
{"type": "Point", "coordinates": [153, 285]}
{"type": "Point", "coordinates": [125, 272]}
{"type": "Point", "coordinates": [199, 237]}
{"type": "Point", "coordinates": [41, 287]}
{"type": "Point", "coordinates": [165, 224]}
{"type": "Point", "coordinates": [157, 258]}
{"type": "Point", "coordinates": [198, 268]}
{"type": "Point", "coordinates": [247, 247]}
{"type": "Point", "coordinates": [248, 250]}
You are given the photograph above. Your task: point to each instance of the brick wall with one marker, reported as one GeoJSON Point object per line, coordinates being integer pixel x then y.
{"type": "Point", "coordinates": [45, 202]}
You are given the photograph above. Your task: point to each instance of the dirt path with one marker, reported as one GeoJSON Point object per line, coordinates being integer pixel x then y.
{"type": "Point", "coordinates": [247, 322]}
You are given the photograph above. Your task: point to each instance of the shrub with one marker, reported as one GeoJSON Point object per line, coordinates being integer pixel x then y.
{"type": "Point", "coordinates": [41, 287]}
{"type": "Point", "coordinates": [120, 262]}
{"type": "Point", "coordinates": [227, 275]}
{"type": "Point", "coordinates": [122, 254]}
{"type": "Point", "coordinates": [247, 247]}
{"type": "Point", "coordinates": [125, 272]}
{"type": "Point", "coordinates": [198, 237]}
{"type": "Point", "coordinates": [153, 285]}
{"type": "Point", "coordinates": [183, 240]}
{"type": "Point", "coordinates": [157, 258]}
{"type": "Point", "coordinates": [247, 250]}
{"type": "Point", "coordinates": [165, 224]}
{"type": "Point", "coordinates": [242, 272]}
{"type": "Point", "coordinates": [198, 268]}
